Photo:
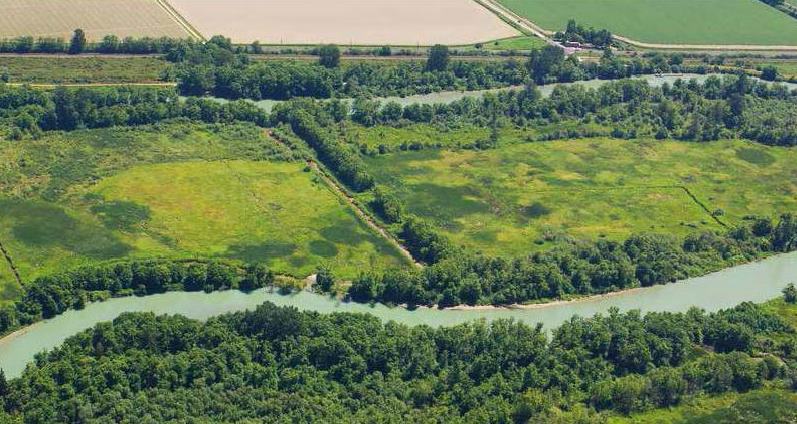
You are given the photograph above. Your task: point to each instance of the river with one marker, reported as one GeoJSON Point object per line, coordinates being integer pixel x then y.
{"type": "Point", "coordinates": [756, 282]}
{"type": "Point", "coordinates": [446, 97]}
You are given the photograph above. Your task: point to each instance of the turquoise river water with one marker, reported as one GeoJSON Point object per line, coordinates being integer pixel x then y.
{"type": "Point", "coordinates": [755, 282]}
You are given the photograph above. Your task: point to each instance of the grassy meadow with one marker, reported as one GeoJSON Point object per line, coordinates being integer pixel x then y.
{"type": "Point", "coordinates": [78, 70]}
{"type": "Point", "coordinates": [669, 22]}
{"type": "Point", "coordinates": [523, 42]}
{"type": "Point", "coordinates": [172, 191]}
{"type": "Point", "coordinates": [758, 406]}
{"type": "Point", "coordinates": [523, 196]}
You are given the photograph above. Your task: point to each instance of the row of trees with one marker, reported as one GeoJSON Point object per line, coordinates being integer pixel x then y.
{"type": "Point", "coordinates": [28, 112]}
{"type": "Point", "coordinates": [78, 43]}
{"type": "Point", "coordinates": [456, 276]}
{"type": "Point", "coordinates": [301, 366]}
{"type": "Point", "coordinates": [52, 295]}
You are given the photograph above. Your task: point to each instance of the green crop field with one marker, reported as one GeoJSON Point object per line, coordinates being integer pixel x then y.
{"type": "Point", "coordinates": [523, 196]}
{"type": "Point", "coordinates": [669, 22]}
{"type": "Point", "coordinates": [47, 70]}
{"type": "Point", "coordinates": [173, 191]}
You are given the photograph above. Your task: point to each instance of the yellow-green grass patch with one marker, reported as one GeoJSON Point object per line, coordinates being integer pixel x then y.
{"type": "Point", "coordinates": [516, 198]}
{"type": "Point", "coordinates": [251, 211]}
{"type": "Point", "coordinates": [267, 212]}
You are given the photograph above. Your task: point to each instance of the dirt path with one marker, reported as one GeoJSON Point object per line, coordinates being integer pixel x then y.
{"type": "Point", "coordinates": [10, 263]}
{"type": "Point", "coordinates": [341, 193]}
{"type": "Point", "coordinates": [518, 21]}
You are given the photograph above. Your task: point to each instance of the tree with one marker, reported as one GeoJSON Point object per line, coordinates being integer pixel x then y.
{"type": "Point", "coordinates": [3, 385]}
{"type": "Point", "coordinates": [78, 43]}
{"type": "Point", "coordinates": [769, 73]}
{"type": "Point", "coordinates": [256, 48]}
{"type": "Point", "coordinates": [790, 294]}
{"type": "Point", "coordinates": [324, 279]}
{"type": "Point", "coordinates": [329, 56]}
{"type": "Point", "coordinates": [545, 61]}
{"type": "Point", "coordinates": [438, 58]}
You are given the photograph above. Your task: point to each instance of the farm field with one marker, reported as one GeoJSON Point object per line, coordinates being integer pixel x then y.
{"type": "Point", "coordinates": [179, 191]}
{"type": "Point", "coordinates": [45, 70]}
{"type": "Point", "coordinates": [726, 22]}
{"type": "Point", "coordinates": [59, 18]}
{"type": "Point", "coordinates": [376, 22]}
{"type": "Point", "coordinates": [524, 196]}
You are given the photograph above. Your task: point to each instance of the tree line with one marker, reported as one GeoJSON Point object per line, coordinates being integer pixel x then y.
{"type": "Point", "coordinates": [287, 365]}
{"type": "Point", "coordinates": [52, 295]}
{"type": "Point", "coordinates": [26, 111]}
{"type": "Point", "coordinates": [575, 267]}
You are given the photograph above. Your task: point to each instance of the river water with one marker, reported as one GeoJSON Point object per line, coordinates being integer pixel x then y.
{"type": "Point", "coordinates": [446, 97]}
{"type": "Point", "coordinates": [754, 282]}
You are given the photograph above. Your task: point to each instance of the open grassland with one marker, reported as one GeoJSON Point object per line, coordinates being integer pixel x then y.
{"type": "Point", "coordinates": [76, 70]}
{"type": "Point", "coordinates": [375, 22]}
{"type": "Point", "coordinates": [720, 22]}
{"type": "Point", "coordinates": [172, 191]}
{"type": "Point", "coordinates": [758, 406]}
{"type": "Point", "coordinates": [520, 197]}
{"type": "Point", "coordinates": [59, 18]}
{"type": "Point", "coordinates": [525, 42]}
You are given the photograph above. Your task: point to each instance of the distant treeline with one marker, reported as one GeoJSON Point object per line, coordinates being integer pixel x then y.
{"type": "Point", "coordinates": [214, 68]}
{"type": "Point", "coordinates": [293, 366]}
{"type": "Point", "coordinates": [28, 112]}
{"type": "Point", "coordinates": [52, 295]}
{"type": "Point", "coordinates": [110, 44]}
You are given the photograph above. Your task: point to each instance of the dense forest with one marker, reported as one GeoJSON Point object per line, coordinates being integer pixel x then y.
{"type": "Point", "coordinates": [281, 365]}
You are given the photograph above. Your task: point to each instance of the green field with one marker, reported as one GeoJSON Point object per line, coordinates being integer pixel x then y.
{"type": "Point", "coordinates": [47, 70]}
{"type": "Point", "coordinates": [523, 196]}
{"type": "Point", "coordinates": [173, 191]}
{"type": "Point", "coordinates": [668, 22]}
{"type": "Point", "coordinates": [757, 407]}
{"type": "Point", "coordinates": [524, 42]}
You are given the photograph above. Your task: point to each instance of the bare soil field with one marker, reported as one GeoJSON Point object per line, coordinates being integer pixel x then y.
{"type": "Point", "coordinates": [59, 18]}
{"type": "Point", "coordinates": [358, 22]}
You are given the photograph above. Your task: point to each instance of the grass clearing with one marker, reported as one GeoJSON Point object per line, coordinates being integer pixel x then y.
{"type": "Point", "coordinates": [519, 197]}
{"type": "Point", "coordinates": [346, 22]}
{"type": "Point", "coordinates": [176, 190]}
{"type": "Point", "coordinates": [98, 18]}
{"type": "Point", "coordinates": [525, 42]}
{"type": "Point", "coordinates": [77, 70]}
{"type": "Point", "coordinates": [766, 405]}
{"type": "Point", "coordinates": [727, 22]}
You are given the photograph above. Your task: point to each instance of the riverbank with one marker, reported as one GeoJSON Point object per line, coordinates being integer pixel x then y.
{"type": "Point", "coordinates": [755, 282]}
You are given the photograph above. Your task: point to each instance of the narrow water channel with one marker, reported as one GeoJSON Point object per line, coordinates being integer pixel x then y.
{"type": "Point", "coordinates": [754, 282]}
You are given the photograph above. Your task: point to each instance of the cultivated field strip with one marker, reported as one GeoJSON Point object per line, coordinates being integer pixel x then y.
{"type": "Point", "coordinates": [374, 22]}
{"type": "Point", "coordinates": [98, 18]}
